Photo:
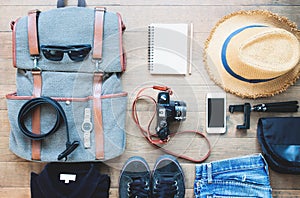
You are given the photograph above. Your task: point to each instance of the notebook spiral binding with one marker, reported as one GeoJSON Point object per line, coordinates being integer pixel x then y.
{"type": "Point", "coordinates": [150, 47]}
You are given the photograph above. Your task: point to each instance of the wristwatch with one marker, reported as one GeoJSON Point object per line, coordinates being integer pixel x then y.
{"type": "Point", "coordinates": [87, 128]}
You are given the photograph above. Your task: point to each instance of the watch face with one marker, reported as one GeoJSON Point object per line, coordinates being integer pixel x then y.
{"type": "Point", "coordinates": [87, 126]}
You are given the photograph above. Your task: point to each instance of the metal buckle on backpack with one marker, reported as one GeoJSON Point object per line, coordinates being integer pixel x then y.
{"type": "Point", "coordinates": [99, 8]}
{"type": "Point", "coordinates": [35, 62]}
{"type": "Point", "coordinates": [98, 62]}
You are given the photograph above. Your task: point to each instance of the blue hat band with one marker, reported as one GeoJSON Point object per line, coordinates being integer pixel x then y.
{"type": "Point", "coordinates": [224, 60]}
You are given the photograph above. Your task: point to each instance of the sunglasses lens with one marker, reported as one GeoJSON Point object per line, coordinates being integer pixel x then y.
{"type": "Point", "coordinates": [53, 55]}
{"type": "Point", "coordinates": [79, 54]}
{"type": "Point", "coordinates": [75, 52]}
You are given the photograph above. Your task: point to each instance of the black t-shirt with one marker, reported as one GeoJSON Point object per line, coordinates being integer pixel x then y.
{"type": "Point", "coordinates": [69, 180]}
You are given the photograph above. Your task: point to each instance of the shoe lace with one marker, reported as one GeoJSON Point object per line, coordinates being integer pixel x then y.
{"type": "Point", "coordinates": [138, 188]}
{"type": "Point", "coordinates": [165, 187]}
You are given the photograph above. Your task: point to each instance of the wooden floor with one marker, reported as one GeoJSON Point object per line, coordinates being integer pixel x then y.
{"type": "Point", "coordinates": [15, 172]}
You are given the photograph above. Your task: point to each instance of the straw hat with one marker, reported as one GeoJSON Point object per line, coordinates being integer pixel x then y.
{"type": "Point", "coordinates": [253, 53]}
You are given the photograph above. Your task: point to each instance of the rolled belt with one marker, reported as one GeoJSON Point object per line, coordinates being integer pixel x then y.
{"type": "Point", "coordinates": [30, 106]}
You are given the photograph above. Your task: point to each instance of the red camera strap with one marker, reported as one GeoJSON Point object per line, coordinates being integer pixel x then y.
{"type": "Point", "coordinates": [153, 138]}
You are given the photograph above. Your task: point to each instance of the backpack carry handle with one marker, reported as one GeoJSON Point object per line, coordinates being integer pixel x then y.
{"type": "Point", "coordinates": [61, 3]}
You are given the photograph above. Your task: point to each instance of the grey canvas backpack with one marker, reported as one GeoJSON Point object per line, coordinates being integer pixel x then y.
{"type": "Point", "coordinates": [69, 103]}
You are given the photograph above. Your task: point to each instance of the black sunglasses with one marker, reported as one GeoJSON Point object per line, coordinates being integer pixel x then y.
{"type": "Point", "coordinates": [56, 53]}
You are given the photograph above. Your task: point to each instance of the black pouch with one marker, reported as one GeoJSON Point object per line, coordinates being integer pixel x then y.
{"type": "Point", "coordinates": [279, 138]}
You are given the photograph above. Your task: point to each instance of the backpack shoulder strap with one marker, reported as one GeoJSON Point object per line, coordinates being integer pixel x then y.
{"type": "Point", "coordinates": [98, 33]}
{"type": "Point", "coordinates": [33, 40]}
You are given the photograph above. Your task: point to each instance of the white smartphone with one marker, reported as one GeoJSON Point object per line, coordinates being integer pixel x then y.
{"type": "Point", "coordinates": [216, 113]}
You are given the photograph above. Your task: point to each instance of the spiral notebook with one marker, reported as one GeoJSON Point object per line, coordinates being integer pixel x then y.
{"type": "Point", "coordinates": [168, 48]}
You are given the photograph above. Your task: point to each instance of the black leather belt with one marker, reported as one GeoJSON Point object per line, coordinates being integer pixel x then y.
{"type": "Point", "coordinates": [32, 104]}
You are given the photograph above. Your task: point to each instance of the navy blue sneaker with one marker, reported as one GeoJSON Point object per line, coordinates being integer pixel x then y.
{"type": "Point", "coordinates": [167, 178]}
{"type": "Point", "coordinates": [135, 179]}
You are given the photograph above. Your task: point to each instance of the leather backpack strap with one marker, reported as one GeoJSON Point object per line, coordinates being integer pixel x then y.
{"type": "Point", "coordinates": [33, 39]}
{"type": "Point", "coordinates": [36, 116]}
{"type": "Point", "coordinates": [34, 50]}
{"type": "Point", "coordinates": [98, 125]}
{"type": "Point", "coordinates": [98, 33]}
{"type": "Point", "coordinates": [97, 84]}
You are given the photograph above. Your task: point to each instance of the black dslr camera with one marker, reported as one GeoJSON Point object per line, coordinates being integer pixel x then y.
{"type": "Point", "coordinates": [168, 111]}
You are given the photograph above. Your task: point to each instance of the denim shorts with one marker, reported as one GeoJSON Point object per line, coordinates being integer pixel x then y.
{"type": "Point", "coordinates": [245, 176]}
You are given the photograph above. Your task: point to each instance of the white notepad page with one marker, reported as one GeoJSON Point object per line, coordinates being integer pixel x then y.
{"type": "Point", "coordinates": [168, 48]}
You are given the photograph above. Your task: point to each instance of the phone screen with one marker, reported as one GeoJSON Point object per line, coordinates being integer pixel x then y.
{"type": "Point", "coordinates": [215, 112]}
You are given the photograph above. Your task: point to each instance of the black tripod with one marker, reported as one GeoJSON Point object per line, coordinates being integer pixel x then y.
{"type": "Point", "coordinates": [280, 107]}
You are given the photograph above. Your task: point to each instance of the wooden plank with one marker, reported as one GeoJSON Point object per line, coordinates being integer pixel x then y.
{"type": "Point", "coordinates": [154, 2]}
{"type": "Point", "coordinates": [197, 15]}
{"type": "Point", "coordinates": [209, 3]}
{"type": "Point", "coordinates": [113, 192]}
{"type": "Point", "coordinates": [4, 124]}
{"type": "Point", "coordinates": [6, 46]}
{"type": "Point", "coordinates": [286, 193]}
{"type": "Point", "coordinates": [9, 78]}
{"type": "Point", "coordinates": [17, 174]}
{"type": "Point", "coordinates": [16, 192]}
{"type": "Point", "coordinates": [53, 3]}
{"type": "Point", "coordinates": [25, 192]}
{"type": "Point", "coordinates": [175, 14]}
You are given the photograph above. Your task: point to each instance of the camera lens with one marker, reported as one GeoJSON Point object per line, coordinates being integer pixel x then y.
{"type": "Point", "coordinates": [180, 110]}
